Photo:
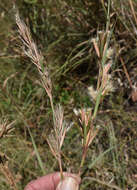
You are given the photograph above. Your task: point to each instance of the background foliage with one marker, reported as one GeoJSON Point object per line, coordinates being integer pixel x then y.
{"type": "Point", "coordinates": [63, 31]}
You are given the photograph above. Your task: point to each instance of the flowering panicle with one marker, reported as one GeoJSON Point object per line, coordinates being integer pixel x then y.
{"type": "Point", "coordinates": [30, 50]}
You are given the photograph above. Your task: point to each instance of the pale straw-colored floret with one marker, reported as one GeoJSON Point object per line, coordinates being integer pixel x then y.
{"type": "Point", "coordinates": [107, 88]}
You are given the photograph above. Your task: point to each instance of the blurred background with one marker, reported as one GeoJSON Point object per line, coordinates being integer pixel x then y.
{"type": "Point", "coordinates": [64, 32]}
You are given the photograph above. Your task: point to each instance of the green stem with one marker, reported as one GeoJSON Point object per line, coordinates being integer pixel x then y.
{"type": "Point", "coordinates": [97, 103]}
{"type": "Point", "coordinates": [108, 16]}
{"type": "Point", "coordinates": [83, 158]}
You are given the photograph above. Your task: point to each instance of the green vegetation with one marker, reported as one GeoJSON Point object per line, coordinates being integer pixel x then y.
{"type": "Point", "coordinates": [83, 43]}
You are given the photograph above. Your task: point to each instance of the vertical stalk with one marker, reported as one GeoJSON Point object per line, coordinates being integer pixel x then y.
{"type": "Point", "coordinates": [108, 16]}
{"type": "Point", "coordinates": [60, 167]}
{"type": "Point", "coordinates": [97, 103]}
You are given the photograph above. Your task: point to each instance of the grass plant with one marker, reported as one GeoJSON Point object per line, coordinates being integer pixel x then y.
{"type": "Point", "coordinates": [74, 40]}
